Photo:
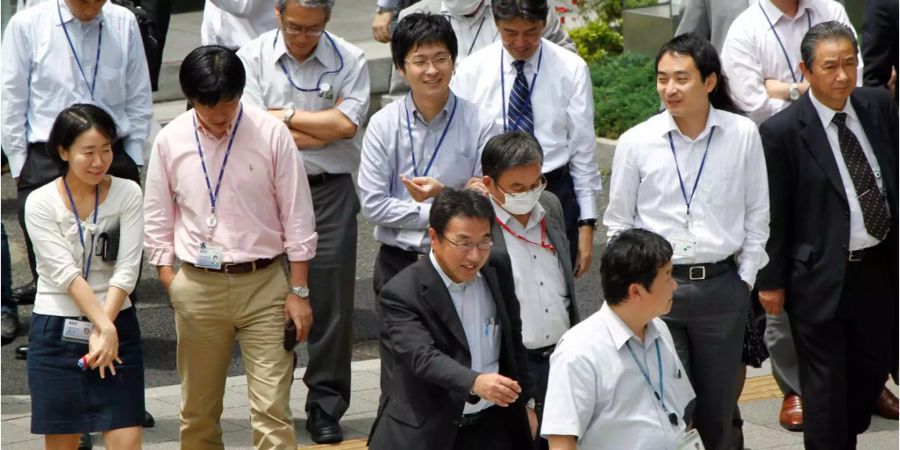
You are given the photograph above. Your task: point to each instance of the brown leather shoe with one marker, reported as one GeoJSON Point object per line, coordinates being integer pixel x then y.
{"type": "Point", "coordinates": [791, 417]}
{"type": "Point", "coordinates": [886, 405]}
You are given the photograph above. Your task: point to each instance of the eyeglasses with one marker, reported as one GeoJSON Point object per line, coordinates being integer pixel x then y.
{"type": "Point", "coordinates": [294, 30]}
{"type": "Point", "coordinates": [484, 244]}
{"type": "Point", "coordinates": [437, 61]}
{"type": "Point", "coordinates": [541, 184]}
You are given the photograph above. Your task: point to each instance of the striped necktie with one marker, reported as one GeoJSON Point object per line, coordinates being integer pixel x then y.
{"type": "Point", "coordinates": [520, 116]}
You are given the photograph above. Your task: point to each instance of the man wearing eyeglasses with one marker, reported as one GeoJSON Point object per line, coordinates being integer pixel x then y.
{"type": "Point", "coordinates": [318, 85]}
{"type": "Point", "coordinates": [460, 379]}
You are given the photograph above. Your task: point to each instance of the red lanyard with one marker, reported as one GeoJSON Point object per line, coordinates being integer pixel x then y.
{"type": "Point", "coordinates": [543, 244]}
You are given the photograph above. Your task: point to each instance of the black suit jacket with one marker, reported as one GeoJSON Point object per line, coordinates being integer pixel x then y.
{"type": "Point", "coordinates": [810, 216]}
{"type": "Point", "coordinates": [432, 376]}
{"type": "Point", "coordinates": [879, 41]}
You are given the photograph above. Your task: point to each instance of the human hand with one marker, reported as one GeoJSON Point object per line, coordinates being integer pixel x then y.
{"type": "Point", "coordinates": [422, 188]}
{"type": "Point", "coordinates": [103, 350]}
{"type": "Point", "coordinates": [381, 26]}
{"type": "Point", "coordinates": [299, 311]}
{"type": "Point", "coordinates": [585, 250]}
{"type": "Point", "coordinates": [772, 301]}
{"type": "Point", "coordinates": [496, 388]}
{"type": "Point", "coordinates": [892, 83]}
{"type": "Point", "coordinates": [166, 275]}
{"type": "Point", "coordinates": [476, 184]}
{"type": "Point", "coordinates": [532, 422]}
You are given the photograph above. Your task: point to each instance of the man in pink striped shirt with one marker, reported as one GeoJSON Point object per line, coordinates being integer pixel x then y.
{"type": "Point", "coordinates": [227, 195]}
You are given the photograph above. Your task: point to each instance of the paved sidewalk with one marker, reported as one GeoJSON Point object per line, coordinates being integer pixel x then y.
{"type": "Point", "coordinates": [760, 404]}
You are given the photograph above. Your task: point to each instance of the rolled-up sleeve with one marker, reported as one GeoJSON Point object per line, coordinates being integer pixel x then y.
{"type": "Point", "coordinates": [131, 231]}
{"type": "Point", "coordinates": [295, 207]}
{"type": "Point", "coordinates": [55, 265]}
{"type": "Point", "coordinates": [159, 209]}
{"type": "Point", "coordinates": [355, 92]}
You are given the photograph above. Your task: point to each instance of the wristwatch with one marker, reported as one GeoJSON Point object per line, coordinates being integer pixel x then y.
{"type": "Point", "coordinates": [794, 93]}
{"type": "Point", "coordinates": [382, 10]}
{"type": "Point", "coordinates": [530, 404]}
{"type": "Point", "coordinates": [288, 114]}
{"type": "Point", "coordinates": [300, 291]}
{"type": "Point", "coordinates": [590, 222]}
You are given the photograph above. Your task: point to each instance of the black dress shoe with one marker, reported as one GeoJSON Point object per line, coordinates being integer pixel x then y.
{"type": "Point", "coordinates": [9, 327]}
{"type": "Point", "coordinates": [85, 442]}
{"type": "Point", "coordinates": [22, 352]}
{"type": "Point", "coordinates": [323, 428]}
{"type": "Point", "coordinates": [24, 294]}
{"type": "Point", "coordinates": [148, 420]}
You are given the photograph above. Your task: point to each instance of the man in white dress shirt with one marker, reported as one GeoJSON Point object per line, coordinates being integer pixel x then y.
{"type": "Point", "coordinates": [615, 379]}
{"type": "Point", "coordinates": [505, 79]}
{"type": "Point", "coordinates": [318, 85]}
{"type": "Point", "coordinates": [696, 175]}
{"type": "Point", "coordinates": [233, 23]}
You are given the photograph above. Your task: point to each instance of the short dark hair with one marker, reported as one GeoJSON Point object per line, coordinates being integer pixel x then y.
{"type": "Point", "coordinates": [512, 149]}
{"type": "Point", "coordinates": [530, 10]}
{"type": "Point", "coordinates": [825, 31]}
{"type": "Point", "coordinates": [707, 61]}
{"type": "Point", "coordinates": [633, 256]}
{"type": "Point", "coordinates": [421, 28]}
{"type": "Point", "coordinates": [73, 122]}
{"type": "Point", "coordinates": [452, 203]}
{"type": "Point", "coordinates": [211, 74]}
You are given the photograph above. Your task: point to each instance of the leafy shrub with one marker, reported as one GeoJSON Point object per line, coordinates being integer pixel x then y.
{"type": "Point", "coordinates": [595, 40]}
{"type": "Point", "coordinates": [624, 93]}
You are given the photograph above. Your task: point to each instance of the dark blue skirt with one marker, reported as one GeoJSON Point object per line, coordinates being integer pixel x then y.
{"type": "Point", "coordinates": [67, 400]}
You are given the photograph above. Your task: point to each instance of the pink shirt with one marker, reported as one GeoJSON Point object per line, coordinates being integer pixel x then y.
{"type": "Point", "coordinates": [264, 207]}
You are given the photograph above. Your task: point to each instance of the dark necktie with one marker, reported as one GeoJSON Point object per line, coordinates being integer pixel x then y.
{"type": "Point", "coordinates": [874, 211]}
{"type": "Point", "coordinates": [520, 116]}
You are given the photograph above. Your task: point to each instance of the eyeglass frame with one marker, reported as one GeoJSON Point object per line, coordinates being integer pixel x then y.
{"type": "Point", "coordinates": [466, 247]}
{"type": "Point", "coordinates": [542, 184]}
{"type": "Point", "coordinates": [293, 30]}
{"type": "Point", "coordinates": [437, 61]}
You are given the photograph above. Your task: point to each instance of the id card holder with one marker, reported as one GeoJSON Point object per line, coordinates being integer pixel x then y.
{"type": "Point", "coordinates": [690, 441]}
{"type": "Point", "coordinates": [209, 257]}
{"type": "Point", "coordinates": [77, 331]}
{"type": "Point", "coordinates": [411, 238]}
{"type": "Point", "coordinates": [683, 245]}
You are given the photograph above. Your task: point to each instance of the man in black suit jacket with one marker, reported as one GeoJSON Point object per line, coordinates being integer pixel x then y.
{"type": "Point", "coordinates": [459, 379]}
{"type": "Point", "coordinates": [832, 162]}
{"type": "Point", "coordinates": [879, 44]}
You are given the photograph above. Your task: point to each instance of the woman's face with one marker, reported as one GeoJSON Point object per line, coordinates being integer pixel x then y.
{"type": "Point", "coordinates": [89, 156]}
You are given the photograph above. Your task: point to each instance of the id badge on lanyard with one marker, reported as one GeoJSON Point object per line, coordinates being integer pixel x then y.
{"type": "Point", "coordinates": [77, 331]}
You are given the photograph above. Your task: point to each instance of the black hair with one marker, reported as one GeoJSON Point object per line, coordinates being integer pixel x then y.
{"type": "Point", "coordinates": [530, 10]}
{"type": "Point", "coordinates": [825, 31]}
{"type": "Point", "coordinates": [419, 29]}
{"type": "Point", "coordinates": [211, 74]}
{"type": "Point", "coordinates": [632, 256]}
{"type": "Point", "coordinates": [73, 122]}
{"type": "Point", "coordinates": [512, 149]}
{"type": "Point", "coordinates": [707, 61]}
{"type": "Point", "coordinates": [452, 203]}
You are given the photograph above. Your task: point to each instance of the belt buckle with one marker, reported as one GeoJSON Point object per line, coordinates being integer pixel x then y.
{"type": "Point", "coordinates": [697, 273]}
{"type": "Point", "coordinates": [855, 256]}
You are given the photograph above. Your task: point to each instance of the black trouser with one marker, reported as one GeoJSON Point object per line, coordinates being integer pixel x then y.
{"type": "Point", "coordinates": [843, 361]}
{"type": "Point", "coordinates": [560, 183]}
{"type": "Point", "coordinates": [539, 369]}
{"type": "Point", "coordinates": [39, 170]}
{"type": "Point", "coordinates": [489, 433]}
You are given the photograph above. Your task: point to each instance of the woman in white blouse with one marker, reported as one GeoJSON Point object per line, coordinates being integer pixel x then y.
{"type": "Point", "coordinates": [85, 364]}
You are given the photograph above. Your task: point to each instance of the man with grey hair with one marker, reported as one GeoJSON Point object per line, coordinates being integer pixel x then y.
{"type": "Point", "coordinates": [832, 167]}
{"type": "Point", "coordinates": [318, 85]}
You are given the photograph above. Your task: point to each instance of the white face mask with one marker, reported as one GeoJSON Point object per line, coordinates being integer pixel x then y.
{"type": "Point", "coordinates": [459, 8]}
{"type": "Point", "coordinates": [523, 202]}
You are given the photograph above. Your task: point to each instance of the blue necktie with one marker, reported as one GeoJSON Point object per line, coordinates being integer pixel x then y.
{"type": "Point", "coordinates": [520, 115]}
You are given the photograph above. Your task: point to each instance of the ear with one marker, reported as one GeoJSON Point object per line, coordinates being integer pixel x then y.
{"type": "Point", "coordinates": [63, 153]}
{"type": "Point", "coordinates": [804, 69]}
{"type": "Point", "coordinates": [432, 235]}
{"type": "Point", "coordinates": [277, 14]}
{"type": "Point", "coordinates": [488, 182]}
{"type": "Point", "coordinates": [634, 291]}
{"type": "Point", "coordinates": [710, 82]}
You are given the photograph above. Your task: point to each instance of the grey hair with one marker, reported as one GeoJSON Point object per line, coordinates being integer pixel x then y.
{"type": "Point", "coordinates": [508, 150]}
{"type": "Point", "coordinates": [825, 31]}
{"type": "Point", "coordinates": [327, 4]}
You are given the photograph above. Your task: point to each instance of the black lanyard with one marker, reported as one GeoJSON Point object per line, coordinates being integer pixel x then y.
{"type": "Point", "coordinates": [86, 267]}
{"type": "Point", "coordinates": [781, 44]}
{"type": "Point", "coordinates": [93, 82]}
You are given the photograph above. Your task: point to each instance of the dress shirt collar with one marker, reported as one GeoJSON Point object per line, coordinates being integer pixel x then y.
{"type": "Point", "coordinates": [451, 285]}
{"type": "Point", "coordinates": [324, 51]}
{"type": "Point", "coordinates": [620, 333]}
{"type": "Point", "coordinates": [826, 114]}
{"type": "Point", "coordinates": [411, 106]}
{"type": "Point", "coordinates": [775, 14]}
{"type": "Point", "coordinates": [536, 215]}
{"type": "Point", "coordinates": [68, 17]}
{"type": "Point", "coordinates": [209, 135]}
{"type": "Point", "coordinates": [530, 63]}
{"type": "Point", "coordinates": [714, 119]}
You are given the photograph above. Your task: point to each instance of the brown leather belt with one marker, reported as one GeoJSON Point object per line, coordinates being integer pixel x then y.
{"type": "Point", "coordinates": [239, 268]}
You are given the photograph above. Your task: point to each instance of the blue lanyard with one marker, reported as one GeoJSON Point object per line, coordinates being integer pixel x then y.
{"type": "Point", "coordinates": [688, 200]}
{"type": "Point", "coordinates": [214, 196]}
{"type": "Point", "coordinates": [661, 395]}
{"type": "Point", "coordinates": [477, 33]}
{"type": "Point", "coordinates": [86, 268]}
{"type": "Point", "coordinates": [503, 88]}
{"type": "Point", "coordinates": [93, 82]}
{"type": "Point", "coordinates": [781, 44]}
{"type": "Point", "coordinates": [436, 148]}
{"type": "Point", "coordinates": [319, 81]}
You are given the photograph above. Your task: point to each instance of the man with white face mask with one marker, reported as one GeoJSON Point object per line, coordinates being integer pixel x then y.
{"type": "Point", "coordinates": [528, 225]}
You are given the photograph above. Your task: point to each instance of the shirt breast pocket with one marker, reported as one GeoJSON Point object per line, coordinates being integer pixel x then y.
{"type": "Point", "coordinates": [111, 86]}
{"type": "Point", "coordinates": [723, 187]}
{"type": "Point", "coordinates": [490, 343]}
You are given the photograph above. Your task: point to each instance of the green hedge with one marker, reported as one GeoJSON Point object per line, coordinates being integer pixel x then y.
{"type": "Point", "coordinates": [624, 93]}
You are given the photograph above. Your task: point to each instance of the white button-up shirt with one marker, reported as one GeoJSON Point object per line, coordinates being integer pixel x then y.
{"type": "Point", "coordinates": [233, 23]}
{"type": "Point", "coordinates": [752, 54]}
{"type": "Point", "coordinates": [540, 283]}
{"type": "Point", "coordinates": [562, 101]}
{"type": "Point", "coordinates": [597, 392]}
{"type": "Point", "coordinates": [859, 237]}
{"type": "Point", "coordinates": [730, 209]}
{"type": "Point", "coordinates": [478, 314]}
{"type": "Point", "coordinates": [40, 76]}
{"type": "Point", "coordinates": [269, 88]}
{"type": "Point", "coordinates": [387, 154]}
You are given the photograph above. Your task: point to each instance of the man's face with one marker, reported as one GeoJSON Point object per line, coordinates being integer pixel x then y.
{"type": "Point", "coordinates": [85, 10]}
{"type": "Point", "coordinates": [658, 300]}
{"type": "Point", "coordinates": [459, 264]}
{"type": "Point", "coordinates": [514, 180]}
{"type": "Point", "coordinates": [302, 28]}
{"type": "Point", "coordinates": [832, 76]}
{"type": "Point", "coordinates": [681, 87]}
{"type": "Point", "coordinates": [217, 119]}
{"type": "Point", "coordinates": [428, 69]}
{"type": "Point", "coordinates": [521, 37]}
